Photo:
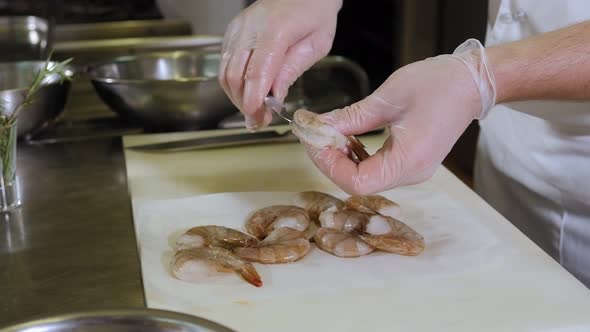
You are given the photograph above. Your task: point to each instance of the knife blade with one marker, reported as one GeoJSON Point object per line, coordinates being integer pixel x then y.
{"type": "Point", "coordinates": [277, 107]}
{"type": "Point", "coordinates": [220, 141]}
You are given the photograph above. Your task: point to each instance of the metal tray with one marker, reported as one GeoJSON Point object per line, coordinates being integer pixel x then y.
{"type": "Point", "coordinates": [86, 52]}
{"type": "Point", "coordinates": [121, 29]}
{"type": "Point", "coordinates": [144, 320]}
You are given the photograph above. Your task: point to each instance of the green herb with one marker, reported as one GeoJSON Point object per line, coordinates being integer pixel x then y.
{"type": "Point", "coordinates": [8, 134]}
{"type": "Point", "coordinates": [48, 70]}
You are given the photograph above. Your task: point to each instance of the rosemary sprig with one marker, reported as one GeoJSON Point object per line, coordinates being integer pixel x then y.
{"type": "Point", "coordinates": [8, 119]}
{"type": "Point", "coordinates": [8, 133]}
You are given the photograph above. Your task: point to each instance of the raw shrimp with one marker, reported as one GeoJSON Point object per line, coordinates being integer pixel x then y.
{"type": "Point", "coordinates": [343, 220]}
{"type": "Point", "coordinates": [283, 245]}
{"type": "Point", "coordinates": [215, 236]}
{"type": "Point", "coordinates": [341, 244]}
{"type": "Point", "coordinates": [316, 202]}
{"type": "Point", "coordinates": [197, 264]}
{"type": "Point", "coordinates": [311, 131]}
{"type": "Point", "coordinates": [389, 234]}
{"type": "Point", "coordinates": [374, 204]}
{"type": "Point", "coordinates": [310, 231]}
{"type": "Point", "coordinates": [265, 220]}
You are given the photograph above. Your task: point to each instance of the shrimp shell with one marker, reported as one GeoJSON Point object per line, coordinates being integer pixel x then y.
{"type": "Point", "coordinates": [341, 244]}
{"type": "Point", "coordinates": [215, 236]}
{"type": "Point", "coordinates": [283, 245]}
{"type": "Point", "coordinates": [265, 220]}
{"type": "Point", "coordinates": [316, 202]}
{"type": "Point", "coordinates": [281, 234]}
{"type": "Point", "coordinates": [344, 220]}
{"type": "Point", "coordinates": [310, 231]}
{"type": "Point", "coordinates": [392, 235]}
{"type": "Point", "coordinates": [374, 204]}
{"type": "Point", "coordinates": [191, 264]}
{"type": "Point", "coordinates": [311, 131]}
{"type": "Point", "coordinates": [358, 149]}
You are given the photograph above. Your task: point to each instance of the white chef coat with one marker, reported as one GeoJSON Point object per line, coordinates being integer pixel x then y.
{"type": "Point", "coordinates": [533, 158]}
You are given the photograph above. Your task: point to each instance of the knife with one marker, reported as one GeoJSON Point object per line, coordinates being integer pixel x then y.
{"type": "Point", "coordinates": [220, 141]}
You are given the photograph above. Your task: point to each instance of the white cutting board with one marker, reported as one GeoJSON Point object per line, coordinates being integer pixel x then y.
{"type": "Point", "coordinates": [476, 273]}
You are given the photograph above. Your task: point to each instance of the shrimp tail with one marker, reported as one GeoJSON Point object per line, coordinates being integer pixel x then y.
{"type": "Point", "coordinates": [249, 273]}
{"type": "Point", "coordinates": [357, 148]}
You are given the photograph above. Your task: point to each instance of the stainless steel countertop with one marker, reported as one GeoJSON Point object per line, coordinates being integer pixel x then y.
{"type": "Point", "coordinates": [72, 245]}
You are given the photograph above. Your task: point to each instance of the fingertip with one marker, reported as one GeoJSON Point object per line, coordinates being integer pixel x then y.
{"type": "Point", "coordinates": [349, 119]}
{"type": "Point", "coordinates": [267, 118]}
{"type": "Point", "coordinates": [280, 89]}
{"type": "Point", "coordinates": [253, 122]}
{"type": "Point", "coordinates": [299, 57]}
{"type": "Point", "coordinates": [284, 80]}
{"type": "Point", "coordinates": [360, 117]}
{"type": "Point", "coordinates": [260, 73]}
{"type": "Point", "coordinates": [253, 96]}
{"type": "Point", "coordinates": [221, 76]}
{"type": "Point", "coordinates": [235, 70]}
{"type": "Point", "coordinates": [328, 118]}
{"type": "Point", "coordinates": [258, 120]}
{"type": "Point", "coordinates": [339, 119]}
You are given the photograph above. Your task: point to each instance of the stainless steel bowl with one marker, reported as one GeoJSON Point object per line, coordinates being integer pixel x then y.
{"type": "Point", "coordinates": [24, 38]}
{"type": "Point", "coordinates": [83, 98]}
{"type": "Point", "coordinates": [140, 320]}
{"type": "Point", "coordinates": [15, 79]}
{"type": "Point", "coordinates": [164, 91]}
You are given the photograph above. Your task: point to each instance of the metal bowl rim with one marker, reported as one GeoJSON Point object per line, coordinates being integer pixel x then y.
{"type": "Point", "coordinates": [151, 81]}
{"type": "Point", "coordinates": [18, 18]}
{"type": "Point", "coordinates": [91, 69]}
{"type": "Point", "coordinates": [70, 71]}
{"type": "Point", "coordinates": [16, 90]}
{"type": "Point", "coordinates": [118, 313]}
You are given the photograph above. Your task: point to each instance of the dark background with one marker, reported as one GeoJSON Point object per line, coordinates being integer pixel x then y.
{"type": "Point", "coordinates": [368, 31]}
{"type": "Point", "coordinates": [82, 11]}
{"type": "Point", "coordinates": [371, 32]}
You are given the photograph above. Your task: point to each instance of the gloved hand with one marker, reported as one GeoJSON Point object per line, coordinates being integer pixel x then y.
{"type": "Point", "coordinates": [268, 46]}
{"type": "Point", "coordinates": [426, 106]}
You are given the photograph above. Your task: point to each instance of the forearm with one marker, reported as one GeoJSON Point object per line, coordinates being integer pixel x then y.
{"type": "Point", "coordinates": [554, 65]}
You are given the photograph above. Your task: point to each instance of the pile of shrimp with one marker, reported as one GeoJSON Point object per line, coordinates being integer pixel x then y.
{"type": "Point", "coordinates": [284, 233]}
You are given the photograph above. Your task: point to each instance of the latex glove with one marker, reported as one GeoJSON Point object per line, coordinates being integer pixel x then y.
{"type": "Point", "coordinates": [426, 106]}
{"type": "Point", "coordinates": [268, 46]}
